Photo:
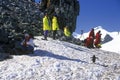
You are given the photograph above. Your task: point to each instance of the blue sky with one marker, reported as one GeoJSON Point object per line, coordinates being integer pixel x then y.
{"type": "Point", "coordinates": [105, 13]}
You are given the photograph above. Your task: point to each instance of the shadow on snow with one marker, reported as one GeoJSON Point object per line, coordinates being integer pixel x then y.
{"type": "Point", "coordinates": [49, 54]}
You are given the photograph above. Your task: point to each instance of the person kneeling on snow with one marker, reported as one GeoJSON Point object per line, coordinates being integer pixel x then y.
{"type": "Point", "coordinates": [67, 34]}
{"type": "Point", "coordinates": [26, 46]}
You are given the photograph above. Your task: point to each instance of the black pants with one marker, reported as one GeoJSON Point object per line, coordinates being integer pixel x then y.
{"type": "Point", "coordinates": [54, 34]}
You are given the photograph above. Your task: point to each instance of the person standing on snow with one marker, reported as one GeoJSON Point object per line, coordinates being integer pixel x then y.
{"type": "Point", "coordinates": [89, 41]}
{"type": "Point", "coordinates": [46, 26]}
{"type": "Point", "coordinates": [92, 37]}
{"type": "Point", "coordinates": [97, 39]}
{"type": "Point", "coordinates": [55, 26]}
{"type": "Point", "coordinates": [92, 34]}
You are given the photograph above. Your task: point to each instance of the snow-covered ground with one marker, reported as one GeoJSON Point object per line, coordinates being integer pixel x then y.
{"type": "Point", "coordinates": [58, 60]}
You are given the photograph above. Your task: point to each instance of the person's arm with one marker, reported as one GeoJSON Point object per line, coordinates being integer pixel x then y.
{"type": "Point", "coordinates": [24, 43]}
{"type": "Point", "coordinates": [30, 42]}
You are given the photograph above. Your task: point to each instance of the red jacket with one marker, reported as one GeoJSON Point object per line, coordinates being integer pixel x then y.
{"type": "Point", "coordinates": [97, 38]}
{"type": "Point", "coordinates": [91, 34]}
{"type": "Point", "coordinates": [89, 42]}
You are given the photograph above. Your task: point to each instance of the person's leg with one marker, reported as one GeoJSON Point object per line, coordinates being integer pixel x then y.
{"type": "Point", "coordinates": [30, 49]}
{"type": "Point", "coordinates": [45, 34]}
{"type": "Point", "coordinates": [19, 49]}
{"type": "Point", "coordinates": [54, 34]}
{"type": "Point", "coordinates": [91, 42]}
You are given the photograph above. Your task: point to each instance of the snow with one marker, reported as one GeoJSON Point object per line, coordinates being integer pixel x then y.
{"type": "Point", "coordinates": [58, 60]}
{"type": "Point", "coordinates": [113, 45]}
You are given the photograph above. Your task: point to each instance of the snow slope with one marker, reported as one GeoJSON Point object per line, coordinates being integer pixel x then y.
{"type": "Point", "coordinates": [56, 60]}
{"type": "Point", "coordinates": [112, 45]}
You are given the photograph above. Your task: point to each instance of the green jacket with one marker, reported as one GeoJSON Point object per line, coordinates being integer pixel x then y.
{"type": "Point", "coordinates": [55, 25]}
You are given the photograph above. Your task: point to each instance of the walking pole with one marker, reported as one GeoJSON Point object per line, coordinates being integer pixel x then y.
{"type": "Point", "coordinates": [82, 34]}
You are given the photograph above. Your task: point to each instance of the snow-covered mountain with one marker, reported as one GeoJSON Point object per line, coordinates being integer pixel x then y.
{"type": "Point", "coordinates": [58, 60]}
{"type": "Point", "coordinates": [110, 40]}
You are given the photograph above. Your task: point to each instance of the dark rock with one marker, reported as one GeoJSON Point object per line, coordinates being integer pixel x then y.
{"type": "Point", "coordinates": [4, 56]}
{"type": "Point", "coordinates": [107, 39]}
{"type": "Point", "coordinates": [77, 41]}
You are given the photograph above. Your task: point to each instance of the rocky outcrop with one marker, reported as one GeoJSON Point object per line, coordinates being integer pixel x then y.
{"type": "Point", "coordinates": [21, 16]}
{"type": "Point", "coordinates": [18, 17]}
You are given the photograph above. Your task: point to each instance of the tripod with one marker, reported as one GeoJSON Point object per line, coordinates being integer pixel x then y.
{"type": "Point", "coordinates": [82, 36]}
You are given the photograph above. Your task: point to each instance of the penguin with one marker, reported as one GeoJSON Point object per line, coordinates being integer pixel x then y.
{"type": "Point", "coordinates": [94, 58]}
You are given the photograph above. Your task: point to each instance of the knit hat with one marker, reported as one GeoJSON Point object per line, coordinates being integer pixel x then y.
{"type": "Point", "coordinates": [27, 35]}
